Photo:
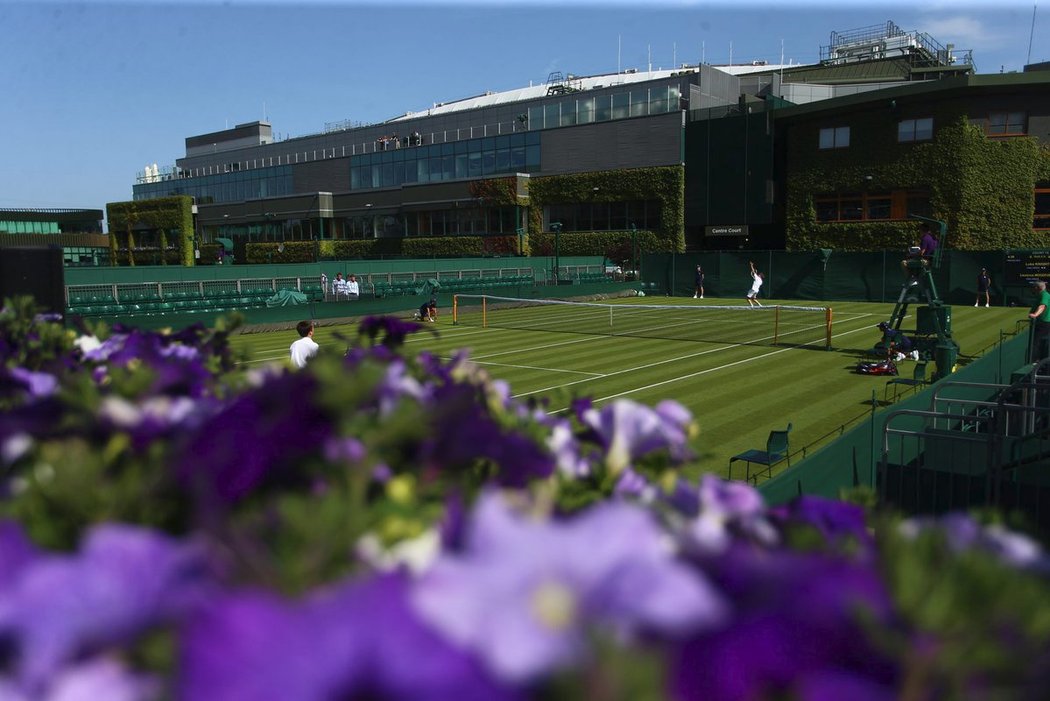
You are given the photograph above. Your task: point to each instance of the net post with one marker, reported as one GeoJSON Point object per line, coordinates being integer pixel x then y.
{"type": "Point", "coordinates": [776, 324]}
{"type": "Point", "coordinates": [484, 311]}
{"type": "Point", "coordinates": [455, 310]}
{"type": "Point", "coordinates": [827, 323]}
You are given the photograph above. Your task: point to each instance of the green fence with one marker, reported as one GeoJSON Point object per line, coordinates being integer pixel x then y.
{"type": "Point", "coordinates": [852, 459]}
{"type": "Point", "coordinates": [830, 275]}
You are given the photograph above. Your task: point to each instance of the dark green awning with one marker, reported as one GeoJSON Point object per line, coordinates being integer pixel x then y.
{"type": "Point", "coordinates": [226, 243]}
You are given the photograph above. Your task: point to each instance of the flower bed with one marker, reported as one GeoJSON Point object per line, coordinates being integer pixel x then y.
{"type": "Point", "coordinates": [386, 525]}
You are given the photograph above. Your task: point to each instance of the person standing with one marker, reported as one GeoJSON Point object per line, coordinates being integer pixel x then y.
{"type": "Point", "coordinates": [305, 348]}
{"type": "Point", "coordinates": [1040, 316]}
{"type": "Point", "coordinates": [353, 291]}
{"type": "Point", "coordinates": [984, 284]}
{"type": "Point", "coordinates": [756, 285]}
{"type": "Point", "coordinates": [324, 285]}
{"type": "Point", "coordinates": [699, 283]}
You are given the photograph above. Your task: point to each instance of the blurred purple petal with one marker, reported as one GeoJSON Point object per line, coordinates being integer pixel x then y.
{"type": "Point", "coordinates": [359, 640]}
{"type": "Point", "coordinates": [102, 678]}
{"type": "Point", "coordinates": [123, 581]}
{"type": "Point", "coordinates": [629, 430]}
{"type": "Point", "coordinates": [833, 518]}
{"type": "Point", "coordinates": [522, 594]}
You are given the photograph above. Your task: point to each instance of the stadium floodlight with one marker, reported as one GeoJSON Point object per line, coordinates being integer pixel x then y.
{"type": "Point", "coordinates": [770, 325]}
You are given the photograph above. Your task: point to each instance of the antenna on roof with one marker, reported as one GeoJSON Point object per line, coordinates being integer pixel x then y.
{"type": "Point", "coordinates": [1030, 34]}
{"type": "Point", "coordinates": [617, 53]}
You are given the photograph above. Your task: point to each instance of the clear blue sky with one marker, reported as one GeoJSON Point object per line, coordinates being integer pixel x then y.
{"type": "Point", "coordinates": [92, 92]}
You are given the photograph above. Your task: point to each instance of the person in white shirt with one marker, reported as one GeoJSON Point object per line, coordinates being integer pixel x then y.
{"type": "Point", "coordinates": [324, 285]}
{"type": "Point", "coordinates": [756, 285]}
{"type": "Point", "coordinates": [353, 291]}
{"type": "Point", "coordinates": [305, 348]}
{"type": "Point", "coordinates": [339, 286]}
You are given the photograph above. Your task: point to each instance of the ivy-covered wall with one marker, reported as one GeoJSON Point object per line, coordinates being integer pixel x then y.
{"type": "Point", "coordinates": [665, 185]}
{"type": "Point", "coordinates": [982, 188]}
{"type": "Point", "coordinates": [170, 217]}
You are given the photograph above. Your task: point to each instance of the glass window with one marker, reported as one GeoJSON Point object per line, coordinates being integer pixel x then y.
{"type": "Point", "coordinates": [851, 209]}
{"type": "Point", "coordinates": [474, 165]}
{"type": "Point", "coordinates": [503, 160]}
{"type": "Point", "coordinates": [602, 108]}
{"type": "Point", "coordinates": [1003, 123]}
{"type": "Point", "coordinates": [826, 209]}
{"type": "Point", "coordinates": [488, 163]}
{"type": "Point", "coordinates": [551, 115]}
{"type": "Point", "coordinates": [639, 102]}
{"type": "Point", "coordinates": [585, 109]}
{"type": "Point", "coordinates": [1042, 209]}
{"type": "Point", "coordinates": [915, 129]}
{"type": "Point", "coordinates": [517, 158]}
{"type": "Point", "coordinates": [568, 113]}
{"type": "Point", "coordinates": [535, 118]}
{"type": "Point", "coordinates": [532, 158]}
{"type": "Point", "coordinates": [878, 206]}
{"type": "Point", "coordinates": [620, 104]}
{"type": "Point", "coordinates": [834, 137]}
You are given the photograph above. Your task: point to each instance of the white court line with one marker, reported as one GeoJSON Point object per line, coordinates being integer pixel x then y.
{"type": "Point", "coordinates": [534, 367]}
{"type": "Point", "coordinates": [696, 374]}
{"type": "Point", "coordinates": [669, 360]}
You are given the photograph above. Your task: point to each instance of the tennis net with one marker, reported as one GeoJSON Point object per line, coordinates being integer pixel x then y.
{"type": "Point", "coordinates": [777, 325]}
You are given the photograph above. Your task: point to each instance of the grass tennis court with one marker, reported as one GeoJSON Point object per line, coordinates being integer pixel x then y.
{"type": "Point", "coordinates": [738, 389]}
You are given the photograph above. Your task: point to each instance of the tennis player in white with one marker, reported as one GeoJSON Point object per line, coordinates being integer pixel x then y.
{"type": "Point", "coordinates": [756, 285]}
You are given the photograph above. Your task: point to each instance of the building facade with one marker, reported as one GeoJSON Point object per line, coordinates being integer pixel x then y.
{"type": "Point", "coordinates": [836, 154]}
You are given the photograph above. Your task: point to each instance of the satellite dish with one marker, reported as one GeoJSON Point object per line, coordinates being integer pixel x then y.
{"type": "Point", "coordinates": [280, 248]}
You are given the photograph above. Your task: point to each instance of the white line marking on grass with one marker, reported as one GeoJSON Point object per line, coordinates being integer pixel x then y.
{"type": "Point", "coordinates": [534, 367]}
{"type": "Point", "coordinates": [673, 379]}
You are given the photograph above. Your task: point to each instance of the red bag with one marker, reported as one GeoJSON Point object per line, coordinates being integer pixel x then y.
{"type": "Point", "coordinates": [885, 367]}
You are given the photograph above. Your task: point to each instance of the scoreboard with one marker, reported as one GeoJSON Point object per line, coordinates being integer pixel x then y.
{"type": "Point", "coordinates": [1022, 267]}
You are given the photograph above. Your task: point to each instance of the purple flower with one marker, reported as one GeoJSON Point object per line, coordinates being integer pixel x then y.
{"type": "Point", "coordinates": [834, 519]}
{"type": "Point", "coordinates": [123, 581]}
{"type": "Point", "coordinates": [522, 594]}
{"type": "Point", "coordinates": [462, 432]}
{"type": "Point", "coordinates": [16, 553]}
{"type": "Point", "coordinates": [260, 435]}
{"type": "Point", "coordinates": [359, 640]}
{"type": "Point", "coordinates": [798, 617]}
{"type": "Point", "coordinates": [101, 678]}
{"type": "Point", "coordinates": [962, 533]}
{"type": "Point", "coordinates": [394, 330]}
{"type": "Point", "coordinates": [154, 417]}
{"type": "Point", "coordinates": [629, 430]}
{"type": "Point", "coordinates": [726, 509]}
{"type": "Point", "coordinates": [38, 384]}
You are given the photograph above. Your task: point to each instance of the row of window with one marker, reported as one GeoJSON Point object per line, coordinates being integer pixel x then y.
{"type": "Point", "coordinates": [605, 216]}
{"type": "Point", "coordinates": [30, 227]}
{"type": "Point", "coordinates": [899, 205]}
{"type": "Point", "coordinates": [225, 187]}
{"type": "Point", "coordinates": [638, 102]}
{"type": "Point", "coordinates": [469, 158]}
{"type": "Point", "coordinates": [921, 129]}
{"type": "Point", "coordinates": [872, 206]}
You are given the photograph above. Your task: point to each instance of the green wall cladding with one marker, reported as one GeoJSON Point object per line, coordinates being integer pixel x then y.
{"type": "Point", "coordinates": [143, 274]}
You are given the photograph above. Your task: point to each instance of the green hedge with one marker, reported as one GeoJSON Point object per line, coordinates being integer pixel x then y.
{"type": "Point", "coordinates": [664, 184]}
{"type": "Point", "coordinates": [170, 217]}
{"type": "Point", "coordinates": [614, 245]}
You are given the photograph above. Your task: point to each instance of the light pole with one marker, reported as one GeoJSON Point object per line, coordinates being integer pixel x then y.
{"type": "Point", "coordinates": [634, 252]}
{"type": "Point", "coordinates": [556, 228]}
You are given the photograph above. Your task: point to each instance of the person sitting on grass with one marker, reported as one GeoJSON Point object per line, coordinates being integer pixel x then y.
{"type": "Point", "coordinates": [898, 346]}
{"type": "Point", "coordinates": [427, 311]}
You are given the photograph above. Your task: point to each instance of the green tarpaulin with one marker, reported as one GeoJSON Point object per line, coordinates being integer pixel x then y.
{"type": "Point", "coordinates": [287, 298]}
